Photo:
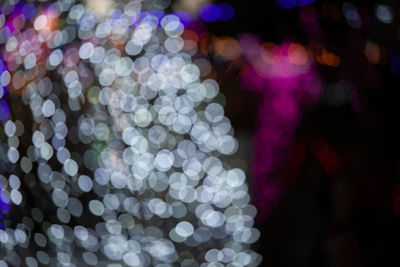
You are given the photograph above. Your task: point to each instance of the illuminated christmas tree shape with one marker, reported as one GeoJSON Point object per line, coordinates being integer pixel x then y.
{"type": "Point", "coordinates": [127, 155]}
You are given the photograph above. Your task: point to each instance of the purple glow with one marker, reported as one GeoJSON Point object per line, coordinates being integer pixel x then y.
{"type": "Point", "coordinates": [285, 88]}
{"type": "Point", "coordinates": [183, 16]}
{"type": "Point", "coordinates": [210, 12]}
{"type": "Point", "coordinates": [4, 110]}
{"type": "Point", "coordinates": [227, 12]}
{"type": "Point", "coordinates": [5, 33]}
{"type": "Point", "coordinates": [197, 26]}
{"type": "Point", "coordinates": [10, 26]}
{"type": "Point", "coordinates": [116, 15]}
{"type": "Point", "coordinates": [2, 66]}
{"type": "Point", "coordinates": [3, 90]}
{"type": "Point", "coordinates": [293, 3]}
{"type": "Point", "coordinates": [250, 45]}
{"type": "Point", "coordinates": [135, 21]}
{"type": "Point", "coordinates": [287, 3]}
{"type": "Point", "coordinates": [5, 205]}
{"type": "Point", "coordinates": [394, 65]}
{"type": "Point", "coordinates": [158, 13]}
{"type": "Point", "coordinates": [304, 2]}
{"type": "Point", "coordinates": [29, 11]}
{"type": "Point", "coordinates": [17, 9]}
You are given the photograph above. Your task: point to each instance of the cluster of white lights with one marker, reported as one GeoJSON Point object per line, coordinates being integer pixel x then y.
{"type": "Point", "coordinates": [126, 145]}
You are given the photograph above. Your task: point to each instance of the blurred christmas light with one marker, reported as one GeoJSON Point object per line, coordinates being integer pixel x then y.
{"type": "Point", "coordinates": [372, 52]}
{"type": "Point", "coordinates": [384, 13]}
{"type": "Point", "coordinates": [125, 132]}
{"type": "Point", "coordinates": [293, 3]}
{"type": "Point", "coordinates": [210, 12]}
{"type": "Point", "coordinates": [227, 12]}
{"type": "Point", "coordinates": [352, 16]}
{"type": "Point", "coordinates": [280, 74]}
{"type": "Point", "coordinates": [287, 3]}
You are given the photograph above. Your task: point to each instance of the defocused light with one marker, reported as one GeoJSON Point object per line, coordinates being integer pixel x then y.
{"type": "Point", "coordinates": [384, 13]}
{"type": "Point", "coordinates": [372, 52]}
{"type": "Point", "coordinates": [395, 65]}
{"type": "Point", "coordinates": [304, 2]}
{"type": "Point", "coordinates": [158, 13]}
{"type": "Point", "coordinates": [100, 7]}
{"type": "Point", "coordinates": [351, 14]}
{"type": "Point", "coordinates": [4, 110]}
{"type": "Point", "coordinates": [227, 12]}
{"type": "Point", "coordinates": [29, 11]}
{"type": "Point", "coordinates": [123, 110]}
{"type": "Point", "coordinates": [326, 155]}
{"type": "Point", "coordinates": [191, 39]}
{"type": "Point", "coordinates": [338, 93]}
{"type": "Point", "coordinates": [250, 45]}
{"type": "Point", "coordinates": [190, 35]}
{"type": "Point", "coordinates": [190, 6]}
{"type": "Point", "coordinates": [268, 53]}
{"type": "Point", "coordinates": [328, 58]}
{"type": "Point", "coordinates": [184, 17]}
{"type": "Point", "coordinates": [227, 47]}
{"type": "Point", "coordinates": [297, 54]}
{"type": "Point", "coordinates": [287, 3]}
{"type": "Point", "coordinates": [210, 12]}
{"type": "Point", "coordinates": [40, 22]}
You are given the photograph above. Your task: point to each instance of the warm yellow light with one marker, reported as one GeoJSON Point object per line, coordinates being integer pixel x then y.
{"type": "Point", "coordinates": [372, 52]}
{"type": "Point", "coordinates": [297, 54]}
{"type": "Point", "coordinates": [99, 7]}
{"type": "Point", "coordinates": [190, 6]}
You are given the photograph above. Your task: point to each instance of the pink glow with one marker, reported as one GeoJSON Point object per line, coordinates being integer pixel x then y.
{"type": "Point", "coordinates": [285, 87]}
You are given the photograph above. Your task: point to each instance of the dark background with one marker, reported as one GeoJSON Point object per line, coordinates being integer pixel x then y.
{"type": "Point", "coordinates": [350, 217]}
